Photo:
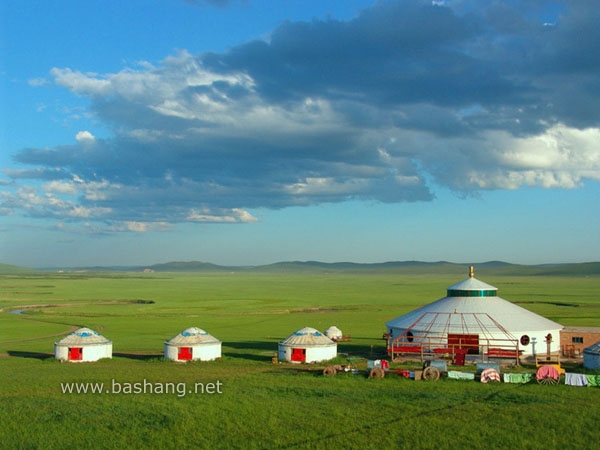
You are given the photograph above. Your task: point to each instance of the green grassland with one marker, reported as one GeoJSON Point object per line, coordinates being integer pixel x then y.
{"type": "Point", "coordinates": [263, 405]}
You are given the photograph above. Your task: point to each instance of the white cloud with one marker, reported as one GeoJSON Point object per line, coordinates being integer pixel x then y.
{"type": "Point", "coordinates": [86, 84]}
{"type": "Point", "coordinates": [86, 212]}
{"type": "Point", "coordinates": [60, 187]}
{"type": "Point", "coordinates": [559, 147]}
{"type": "Point", "coordinates": [92, 190]}
{"type": "Point", "coordinates": [243, 215]}
{"type": "Point", "coordinates": [327, 187]}
{"type": "Point", "coordinates": [138, 227]}
{"type": "Point", "coordinates": [561, 157]}
{"type": "Point", "coordinates": [84, 137]}
{"type": "Point", "coordinates": [235, 215]}
{"type": "Point", "coordinates": [48, 204]}
{"type": "Point", "coordinates": [99, 190]}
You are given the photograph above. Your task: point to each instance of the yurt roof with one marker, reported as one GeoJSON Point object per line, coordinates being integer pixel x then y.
{"type": "Point", "coordinates": [193, 336]}
{"type": "Point", "coordinates": [442, 323]}
{"type": "Point", "coordinates": [472, 284]}
{"type": "Point", "coordinates": [593, 349]}
{"type": "Point", "coordinates": [84, 336]}
{"type": "Point", "coordinates": [474, 299]}
{"type": "Point", "coordinates": [333, 330]}
{"type": "Point", "coordinates": [307, 336]}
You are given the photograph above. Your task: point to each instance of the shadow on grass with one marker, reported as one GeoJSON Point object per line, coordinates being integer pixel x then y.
{"type": "Point", "coordinates": [254, 350]}
{"type": "Point", "coordinates": [139, 356]}
{"type": "Point", "coordinates": [34, 355]}
{"type": "Point", "coordinates": [355, 348]}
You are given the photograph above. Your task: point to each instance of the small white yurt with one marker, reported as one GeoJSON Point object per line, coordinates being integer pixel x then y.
{"type": "Point", "coordinates": [83, 345]}
{"type": "Point", "coordinates": [307, 345]}
{"type": "Point", "coordinates": [193, 344]}
{"type": "Point", "coordinates": [591, 357]}
{"type": "Point", "coordinates": [334, 333]}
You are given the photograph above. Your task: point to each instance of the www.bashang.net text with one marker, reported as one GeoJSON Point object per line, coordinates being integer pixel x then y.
{"type": "Point", "coordinates": [143, 387]}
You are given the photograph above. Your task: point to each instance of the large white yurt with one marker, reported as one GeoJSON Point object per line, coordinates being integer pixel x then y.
{"type": "Point", "coordinates": [591, 357]}
{"type": "Point", "coordinates": [307, 345]}
{"type": "Point", "coordinates": [83, 345]}
{"type": "Point", "coordinates": [193, 344]}
{"type": "Point", "coordinates": [473, 319]}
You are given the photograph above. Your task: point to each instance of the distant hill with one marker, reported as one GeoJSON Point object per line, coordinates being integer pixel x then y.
{"type": "Point", "coordinates": [591, 268]}
{"type": "Point", "coordinates": [406, 267]}
{"type": "Point", "coordinates": [416, 267]}
{"type": "Point", "coordinates": [7, 269]}
{"type": "Point", "coordinates": [390, 266]}
{"type": "Point", "coordinates": [191, 266]}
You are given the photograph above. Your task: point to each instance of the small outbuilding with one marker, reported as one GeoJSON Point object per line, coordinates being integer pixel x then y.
{"type": "Point", "coordinates": [573, 340]}
{"type": "Point", "coordinates": [83, 345]}
{"type": "Point", "coordinates": [307, 345]}
{"type": "Point", "coordinates": [591, 357]}
{"type": "Point", "coordinates": [193, 344]}
{"type": "Point", "coordinates": [334, 333]}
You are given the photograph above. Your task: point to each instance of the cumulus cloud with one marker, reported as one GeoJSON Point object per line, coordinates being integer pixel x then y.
{"type": "Point", "coordinates": [60, 187]}
{"type": "Point", "coordinates": [84, 136]}
{"type": "Point", "coordinates": [232, 216]}
{"type": "Point", "coordinates": [49, 204]}
{"type": "Point", "coordinates": [474, 95]}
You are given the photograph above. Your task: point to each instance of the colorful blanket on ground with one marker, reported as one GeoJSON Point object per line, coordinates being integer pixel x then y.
{"type": "Point", "coordinates": [547, 372]}
{"type": "Point", "coordinates": [456, 375]}
{"type": "Point", "coordinates": [593, 380]}
{"type": "Point", "coordinates": [517, 377]}
{"type": "Point", "coordinates": [490, 375]}
{"type": "Point", "coordinates": [576, 379]}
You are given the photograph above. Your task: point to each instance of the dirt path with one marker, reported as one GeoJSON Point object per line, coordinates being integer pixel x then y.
{"type": "Point", "coordinates": [73, 328]}
{"type": "Point", "coordinates": [25, 317]}
{"type": "Point", "coordinates": [9, 309]}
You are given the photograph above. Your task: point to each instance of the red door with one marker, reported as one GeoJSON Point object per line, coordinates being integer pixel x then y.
{"type": "Point", "coordinates": [184, 353]}
{"type": "Point", "coordinates": [469, 342]}
{"type": "Point", "coordinates": [299, 354]}
{"type": "Point", "coordinates": [75, 354]}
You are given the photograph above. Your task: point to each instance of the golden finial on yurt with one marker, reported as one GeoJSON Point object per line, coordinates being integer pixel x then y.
{"type": "Point", "coordinates": [471, 271]}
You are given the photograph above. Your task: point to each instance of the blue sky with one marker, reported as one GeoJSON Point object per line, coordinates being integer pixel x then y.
{"type": "Point", "coordinates": [250, 132]}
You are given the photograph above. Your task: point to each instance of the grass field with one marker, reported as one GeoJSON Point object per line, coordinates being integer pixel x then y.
{"type": "Point", "coordinates": [262, 405]}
